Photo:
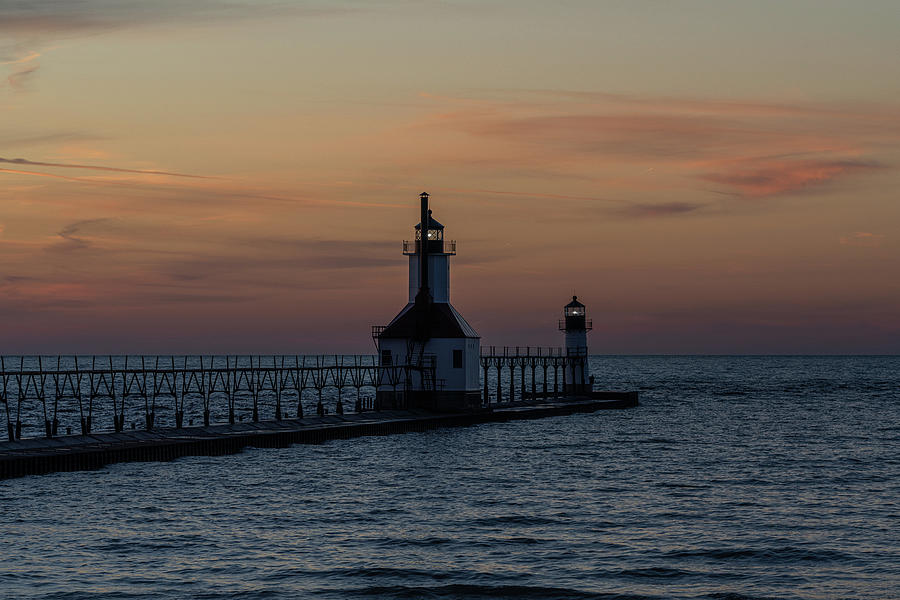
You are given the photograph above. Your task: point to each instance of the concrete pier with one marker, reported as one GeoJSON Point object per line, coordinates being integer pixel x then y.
{"type": "Point", "coordinates": [85, 452]}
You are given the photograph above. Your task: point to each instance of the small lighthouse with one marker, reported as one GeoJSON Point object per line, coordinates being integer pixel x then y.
{"type": "Point", "coordinates": [576, 325]}
{"type": "Point", "coordinates": [429, 335]}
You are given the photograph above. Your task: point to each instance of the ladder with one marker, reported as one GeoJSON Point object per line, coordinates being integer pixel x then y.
{"type": "Point", "coordinates": [423, 363]}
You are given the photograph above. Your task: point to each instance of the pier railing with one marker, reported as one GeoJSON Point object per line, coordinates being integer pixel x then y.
{"type": "Point", "coordinates": [50, 396]}
{"type": "Point", "coordinates": [59, 393]}
{"type": "Point", "coordinates": [565, 368]}
{"type": "Point", "coordinates": [521, 351]}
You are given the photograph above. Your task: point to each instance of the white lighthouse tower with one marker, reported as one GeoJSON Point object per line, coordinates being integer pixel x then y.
{"type": "Point", "coordinates": [576, 325]}
{"type": "Point", "coordinates": [429, 334]}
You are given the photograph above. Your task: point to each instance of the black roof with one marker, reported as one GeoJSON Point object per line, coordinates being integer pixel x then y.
{"type": "Point", "coordinates": [443, 322]}
{"type": "Point", "coordinates": [574, 303]}
{"type": "Point", "coordinates": [432, 224]}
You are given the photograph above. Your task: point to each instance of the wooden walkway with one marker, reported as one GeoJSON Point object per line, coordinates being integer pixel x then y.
{"type": "Point", "coordinates": [83, 452]}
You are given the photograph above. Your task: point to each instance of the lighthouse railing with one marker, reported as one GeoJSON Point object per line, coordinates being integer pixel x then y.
{"type": "Point", "coordinates": [411, 247]}
{"type": "Point", "coordinates": [588, 324]}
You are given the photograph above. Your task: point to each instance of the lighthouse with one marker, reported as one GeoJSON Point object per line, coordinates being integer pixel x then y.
{"type": "Point", "coordinates": [576, 325]}
{"type": "Point", "coordinates": [429, 335]}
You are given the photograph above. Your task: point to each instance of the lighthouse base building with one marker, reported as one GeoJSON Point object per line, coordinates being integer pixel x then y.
{"type": "Point", "coordinates": [451, 357]}
{"type": "Point", "coordinates": [429, 354]}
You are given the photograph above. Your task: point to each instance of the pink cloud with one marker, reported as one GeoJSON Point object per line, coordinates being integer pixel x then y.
{"type": "Point", "coordinates": [18, 79]}
{"type": "Point", "coordinates": [787, 176]}
{"type": "Point", "coordinates": [862, 238]}
{"type": "Point", "coordinates": [622, 135]}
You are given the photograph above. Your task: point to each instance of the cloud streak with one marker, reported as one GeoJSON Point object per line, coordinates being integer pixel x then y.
{"type": "Point", "coordinates": [18, 79]}
{"type": "Point", "coordinates": [34, 163]}
{"type": "Point", "coordinates": [30, 56]}
{"type": "Point", "coordinates": [71, 235]}
{"type": "Point", "coordinates": [863, 239]}
{"type": "Point", "coordinates": [64, 17]}
{"type": "Point", "coordinates": [51, 138]}
{"type": "Point", "coordinates": [663, 209]}
{"type": "Point", "coordinates": [39, 174]}
{"type": "Point", "coordinates": [777, 178]}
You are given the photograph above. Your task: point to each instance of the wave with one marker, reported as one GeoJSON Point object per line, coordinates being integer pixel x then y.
{"type": "Point", "coordinates": [416, 542]}
{"type": "Point", "coordinates": [781, 555]}
{"type": "Point", "coordinates": [487, 592]}
{"type": "Point", "coordinates": [655, 573]}
{"type": "Point", "coordinates": [736, 596]}
{"type": "Point", "coordinates": [512, 520]}
{"type": "Point", "coordinates": [692, 486]}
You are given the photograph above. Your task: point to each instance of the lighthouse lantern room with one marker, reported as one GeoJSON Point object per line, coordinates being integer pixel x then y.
{"type": "Point", "coordinates": [429, 335]}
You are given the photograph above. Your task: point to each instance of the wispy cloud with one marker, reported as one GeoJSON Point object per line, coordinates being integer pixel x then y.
{"type": "Point", "coordinates": [72, 237]}
{"type": "Point", "coordinates": [28, 57]}
{"type": "Point", "coordinates": [773, 178]}
{"type": "Point", "coordinates": [50, 138]}
{"type": "Point", "coordinates": [34, 163]}
{"type": "Point", "coordinates": [64, 17]}
{"type": "Point", "coordinates": [862, 238]}
{"type": "Point", "coordinates": [39, 174]}
{"type": "Point", "coordinates": [641, 135]}
{"type": "Point", "coordinates": [662, 209]}
{"type": "Point", "coordinates": [18, 79]}
{"type": "Point", "coordinates": [710, 106]}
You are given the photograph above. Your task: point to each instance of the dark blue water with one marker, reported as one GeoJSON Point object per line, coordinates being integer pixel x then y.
{"type": "Point", "coordinates": [737, 478]}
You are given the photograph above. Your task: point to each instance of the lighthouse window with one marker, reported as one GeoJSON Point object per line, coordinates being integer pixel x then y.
{"type": "Point", "coordinates": [386, 358]}
{"type": "Point", "coordinates": [457, 359]}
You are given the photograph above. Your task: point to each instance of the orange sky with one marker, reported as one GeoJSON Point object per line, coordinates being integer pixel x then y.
{"type": "Point", "coordinates": [237, 177]}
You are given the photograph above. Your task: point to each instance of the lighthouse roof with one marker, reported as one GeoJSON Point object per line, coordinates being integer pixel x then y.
{"type": "Point", "coordinates": [432, 224]}
{"type": "Point", "coordinates": [443, 322]}
{"type": "Point", "coordinates": [574, 303]}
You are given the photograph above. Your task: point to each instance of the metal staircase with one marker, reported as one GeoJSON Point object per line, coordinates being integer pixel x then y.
{"type": "Point", "coordinates": [428, 364]}
{"type": "Point", "coordinates": [425, 364]}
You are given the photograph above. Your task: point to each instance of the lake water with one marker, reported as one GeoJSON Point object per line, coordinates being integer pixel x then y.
{"type": "Point", "coordinates": [737, 478]}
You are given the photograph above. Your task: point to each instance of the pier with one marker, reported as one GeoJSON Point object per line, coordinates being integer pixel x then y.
{"type": "Point", "coordinates": [145, 408]}
{"type": "Point", "coordinates": [66, 394]}
{"type": "Point", "coordinates": [83, 452]}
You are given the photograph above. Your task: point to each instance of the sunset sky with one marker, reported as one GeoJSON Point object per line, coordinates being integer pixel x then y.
{"type": "Point", "coordinates": [236, 177]}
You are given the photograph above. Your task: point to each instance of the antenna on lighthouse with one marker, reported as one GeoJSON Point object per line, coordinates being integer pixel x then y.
{"type": "Point", "coordinates": [424, 295]}
{"type": "Point", "coordinates": [423, 298]}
